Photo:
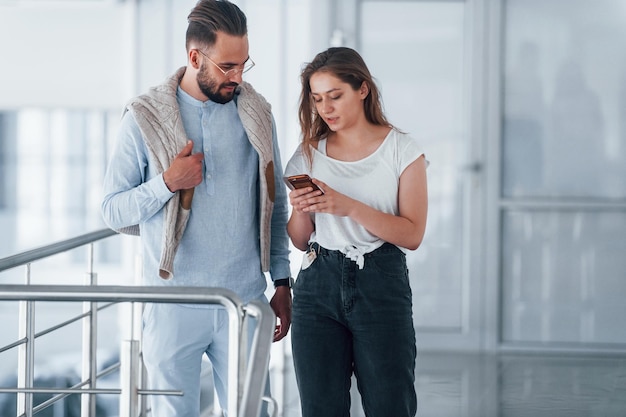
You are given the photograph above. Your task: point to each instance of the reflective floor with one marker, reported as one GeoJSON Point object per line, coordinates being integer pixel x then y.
{"type": "Point", "coordinates": [466, 385]}
{"type": "Point", "coordinates": [447, 384]}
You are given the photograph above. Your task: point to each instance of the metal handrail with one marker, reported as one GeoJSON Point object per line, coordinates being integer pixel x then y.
{"type": "Point", "coordinates": [246, 402]}
{"type": "Point", "coordinates": [53, 328]}
{"type": "Point", "coordinates": [43, 252]}
{"type": "Point", "coordinates": [60, 396]}
{"type": "Point", "coordinates": [244, 398]}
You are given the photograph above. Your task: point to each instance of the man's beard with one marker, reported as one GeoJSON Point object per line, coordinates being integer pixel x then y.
{"type": "Point", "coordinates": [211, 89]}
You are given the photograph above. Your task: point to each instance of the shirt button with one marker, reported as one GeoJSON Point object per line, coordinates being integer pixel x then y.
{"type": "Point", "coordinates": [208, 177]}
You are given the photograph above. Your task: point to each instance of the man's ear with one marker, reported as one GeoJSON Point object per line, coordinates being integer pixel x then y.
{"type": "Point", "coordinates": [194, 58]}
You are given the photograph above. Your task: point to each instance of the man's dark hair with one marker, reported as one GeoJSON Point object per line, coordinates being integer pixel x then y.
{"type": "Point", "coordinates": [210, 16]}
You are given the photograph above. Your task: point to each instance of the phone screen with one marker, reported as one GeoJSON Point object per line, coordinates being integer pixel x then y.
{"type": "Point", "coordinates": [300, 181]}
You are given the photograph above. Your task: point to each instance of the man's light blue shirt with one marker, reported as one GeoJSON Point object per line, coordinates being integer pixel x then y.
{"type": "Point", "coordinates": [220, 246]}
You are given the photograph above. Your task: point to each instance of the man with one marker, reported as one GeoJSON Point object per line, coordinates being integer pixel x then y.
{"type": "Point", "coordinates": [197, 170]}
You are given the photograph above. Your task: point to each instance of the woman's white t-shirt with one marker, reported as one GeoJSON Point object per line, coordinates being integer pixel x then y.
{"type": "Point", "coordinates": [372, 180]}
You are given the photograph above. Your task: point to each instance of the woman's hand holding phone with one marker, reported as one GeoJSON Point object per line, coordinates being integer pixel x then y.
{"type": "Point", "coordinates": [322, 199]}
{"type": "Point", "coordinates": [300, 198]}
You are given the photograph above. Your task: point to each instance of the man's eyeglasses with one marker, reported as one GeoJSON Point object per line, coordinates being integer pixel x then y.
{"type": "Point", "coordinates": [247, 66]}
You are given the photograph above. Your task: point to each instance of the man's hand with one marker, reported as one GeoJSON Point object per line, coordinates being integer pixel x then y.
{"type": "Point", "coordinates": [185, 170]}
{"type": "Point", "coordinates": [281, 304]}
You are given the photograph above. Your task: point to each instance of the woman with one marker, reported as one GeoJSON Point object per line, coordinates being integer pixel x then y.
{"type": "Point", "coordinates": [352, 306]}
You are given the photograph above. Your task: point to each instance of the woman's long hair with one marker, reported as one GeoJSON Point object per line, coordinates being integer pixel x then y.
{"type": "Point", "coordinates": [347, 65]}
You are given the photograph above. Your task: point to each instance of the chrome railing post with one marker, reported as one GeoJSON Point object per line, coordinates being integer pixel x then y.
{"type": "Point", "coordinates": [136, 331]}
{"type": "Point", "coordinates": [26, 354]}
{"type": "Point", "coordinates": [90, 342]}
{"type": "Point", "coordinates": [243, 350]}
{"type": "Point", "coordinates": [235, 318]}
{"type": "Point", "coordinates": [257, 362]}
{"type": "Point", "coordinates": [143, 400]}
{"type": "Point", "coordinates": [129, 377]}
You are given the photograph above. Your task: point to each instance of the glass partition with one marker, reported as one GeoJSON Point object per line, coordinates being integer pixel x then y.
{"type": "Point", "coordinates": [563, 275]}
{"type": "Point", "coordinates": [564, 133]}
{"type": "Point", "coordinates": [563, 188]}
{"type": "Point", "coordinates": [416, 51]}
{"type": "Point", "coordinates": [52, 166]}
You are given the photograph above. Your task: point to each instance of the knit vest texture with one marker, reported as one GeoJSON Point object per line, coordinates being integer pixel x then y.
{"type": "Point", "coordinates": [158, 116]}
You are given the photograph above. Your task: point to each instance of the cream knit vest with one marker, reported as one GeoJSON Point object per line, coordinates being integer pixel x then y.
{"type": "Point", "coordinates": [158, 117]}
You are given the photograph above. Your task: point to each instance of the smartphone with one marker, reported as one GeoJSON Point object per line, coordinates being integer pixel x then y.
{"type": "Point", "coordinates": [300, 181]}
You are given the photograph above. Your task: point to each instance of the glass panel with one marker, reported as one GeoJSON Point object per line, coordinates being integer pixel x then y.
{"type": "Point", "coordinates": [563, 277]}
{"type": "Point", "coordinates": [564, 133]}
{"type": "Point", "coordinates": [60, 163]}
{"type": "Point", "coordinates": [53, 163]}
{"type": "Point", "coordinates": [415, 51]}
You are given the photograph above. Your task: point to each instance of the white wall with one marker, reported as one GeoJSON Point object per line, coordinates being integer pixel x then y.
{"type": "Point", "coordinates": [98, 54]}
{"type": "Point", "coordinates": [55, 55]}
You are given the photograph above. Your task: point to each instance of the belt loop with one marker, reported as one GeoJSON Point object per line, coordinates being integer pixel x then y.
{"type": "Point", "coordinates": [312, 247]}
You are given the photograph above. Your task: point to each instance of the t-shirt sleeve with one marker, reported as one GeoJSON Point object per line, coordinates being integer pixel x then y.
{"type": "Point", "coordinates": [297, 163]}
{"type": "Point", "coordinates": [409, 151]}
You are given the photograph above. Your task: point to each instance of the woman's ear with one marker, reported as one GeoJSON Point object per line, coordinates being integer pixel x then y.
{"type": "Point", "coordinates": [364, 90]}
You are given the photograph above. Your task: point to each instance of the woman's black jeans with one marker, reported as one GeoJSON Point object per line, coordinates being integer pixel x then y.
{"type": "Point", "coordinates": [346, 320]}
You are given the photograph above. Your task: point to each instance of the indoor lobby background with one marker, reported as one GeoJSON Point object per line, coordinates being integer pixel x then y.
{"type": "Point", "coordinates": [520, 106]}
